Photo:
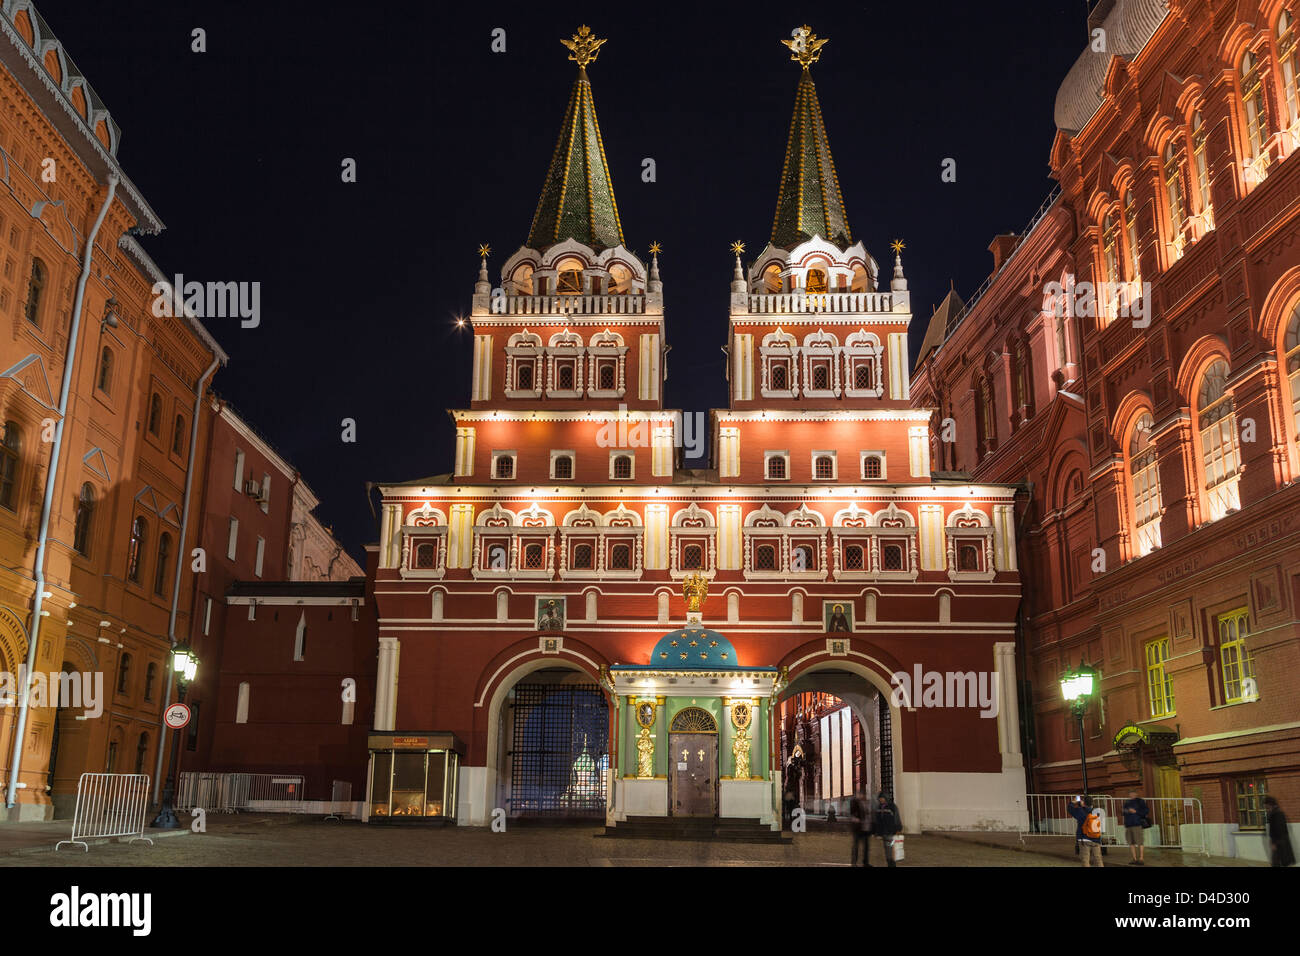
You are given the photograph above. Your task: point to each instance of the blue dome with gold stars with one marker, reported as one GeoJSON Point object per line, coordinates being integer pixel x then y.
{"type": "Point", "coordinates": [694, 648]}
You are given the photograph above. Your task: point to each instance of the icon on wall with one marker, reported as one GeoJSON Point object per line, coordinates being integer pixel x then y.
{"type": "Point", "coordinates": [838, 616]}
{"type": "Point", "coordinates": [550, 614]}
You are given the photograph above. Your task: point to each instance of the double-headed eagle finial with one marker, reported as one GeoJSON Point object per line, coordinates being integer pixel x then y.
{"type": "Point", "coordinates": [805, 47]}
{"type": "Point", "coordinates": [583, 47]}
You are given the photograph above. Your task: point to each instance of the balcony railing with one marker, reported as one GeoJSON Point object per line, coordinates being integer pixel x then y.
{"type": "Point", "coordinates": [814, 302]}
{"type": "Point", "coordinates": [568, 305]}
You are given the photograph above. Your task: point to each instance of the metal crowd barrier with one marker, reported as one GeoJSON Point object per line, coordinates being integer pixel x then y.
{"type": "Point", "coordinates": [109, 805]}
{"type": "Point", "coordinates": [233, 792]}
{"type": "Point", "coordinates": [1178, 823]}
{"type": "Point", "coordinates": [340, 800]}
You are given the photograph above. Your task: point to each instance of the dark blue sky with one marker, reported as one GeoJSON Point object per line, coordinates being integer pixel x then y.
{"type": "Point", "coordinates": [239, 151]}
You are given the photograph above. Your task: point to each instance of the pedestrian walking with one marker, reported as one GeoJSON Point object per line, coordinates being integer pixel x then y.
{"type": "Point", "coordinates": [861, 813]}
{"type": "Point", "coordinates": [1087, 830]}
{"type": "Point", "coordinates": [1280, 852]}
{"type": "Point", "coordinates": [887, 823]}
{"type": "Point", "coordinates": [1137, 817]}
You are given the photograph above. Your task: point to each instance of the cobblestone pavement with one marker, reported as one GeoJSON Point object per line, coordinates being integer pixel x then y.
{"type": "Point", "coordinates": [306, 842]}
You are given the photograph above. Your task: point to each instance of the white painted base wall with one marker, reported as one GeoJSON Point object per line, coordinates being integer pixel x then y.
{"type": "Point", "coordinates": [963, 801]}
{"type": "Point", "coordinates": [1226, 839]}
{"type": "Point", "coordinates": [747, 799]}
{"type": "Point", "coordinates": [639, 798]}
{"type": "Point", "coordinates": [476, 796]}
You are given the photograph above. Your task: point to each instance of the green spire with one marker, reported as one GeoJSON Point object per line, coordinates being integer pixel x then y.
{"type": "Point", "coordinates": [810, 202]}
{"type": "Point", "coordinates": [577, 198]}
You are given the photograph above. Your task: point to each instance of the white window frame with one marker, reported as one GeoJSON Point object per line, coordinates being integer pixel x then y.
{"type": "Point", "coordinates": [622, 453]}
{"type": "Point", "coordinates": [261, 556]}
{"type": "Point", "coordinates": [239, 471]}
{"type": "Point", "coordinates": [835, 465]}
{"type": "Point", "coordinates": [884, 464]}
{"type": "Point", "coordinates": [573, 458]}
{"type": "Point", "coordinates": [207, 615]}
{"type": "Point", "coordinates": [768, 456]}
{"type": "Point", "coordinates": [514, 464]}
{"type": "Point", "coordinates": [265, 500]}
{"type": "Point", "coordinates": [232, 543]}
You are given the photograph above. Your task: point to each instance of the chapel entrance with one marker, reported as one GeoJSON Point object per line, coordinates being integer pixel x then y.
{"type": "Point", "coordinates": [693, 763]}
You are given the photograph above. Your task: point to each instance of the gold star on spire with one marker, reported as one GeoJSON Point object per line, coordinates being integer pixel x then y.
{"type": "Point", "coordinates": [898, 246]}
{"type": "Point", "coordinates": [484, 250]}
{"type": "Point", "coordinates": [737, 247]}
{"type": "Point", "coordinates": [805, 47]}
{"type": "Point", "coordinates": [655, 248]}
{"type": "Point", "coordinates": [584, 46]}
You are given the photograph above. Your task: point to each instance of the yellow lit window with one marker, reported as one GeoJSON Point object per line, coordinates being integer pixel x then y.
{"type": "Point", "coordinates": [1202, 170]}
{"type": "Point", "coordinates": [1238, 665]}
{"type": "Point", "coordinates": [1289, 58]}
{"type": "Point", "coordinates": [1174, 192]}
{"type": "Point", "coordinates": [1252, 97]}
{"type": "Point", "coordinates": [1160, 686]}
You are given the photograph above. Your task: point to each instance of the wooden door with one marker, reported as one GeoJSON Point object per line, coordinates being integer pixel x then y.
{"type": "Point", "coordinates": [693, 774]}
{"type": "Point", "coordinates": [1168, 812]}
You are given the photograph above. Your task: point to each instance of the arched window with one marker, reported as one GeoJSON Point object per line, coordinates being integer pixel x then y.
{"type": "Point", "coordinates": [104, 382]}
{"type": "Point", "coordinates": [862, 377]}
{"type": "Point", "coordinates": [821, 376]}
{"type": "Point", "coordinates": [853, 554]}
{"type": "Point", "coordinates": [968, 557]}
{"type": "Point", "coordinates": [150, 675]}
{"type": "Point", "coordinates": [861, 281]}
{"type": "Point", "coordinates": [583, 558]}
{"type": "Point", "coordinates": [1131, 237]}
{"type": "Point", "coordinates": [620, 558]}
{"type": "Point", "coordinates": [620, 280]}
{"type": "Point", "coordinates": [772, 282]}
{"type": "Point", "coordinates": [801, 558]}
{"type": "Point", "coordinates": [11, 446]}
{"type": "Point", "coordinates": [1201, 163]}
{"type": "Point", "coordinates": [779, 379]}
{"type": "Point", "coordinates": [1174, 195]}
{"type": "Point", "coordinates": [1144, 481]}
{"type": "Point", "coordinates": [1024, 392]}
{"type": "Point", "coordinates": [622, 466]}
{"type": "Point", "coordinates": [605, 377]}
{"type": "Point", "coordinates": [1291, 361]}
{"type": "Point", "coordinates": [776, 466]}
{"type": "Point", "coordinates": [891, 557]}
{"type": "Point", "coordinates": [1289, 58]}
{"type": "Point", "coordinates": [85, 516]}
{"type": "Point", "coordinates": [570, 277]}
{"type": "Point", "coordinates": [533, 557]}
{"type": "Point", "coordinates": [135, 549]}
{"type": "Point", "coordinates": [816, 280]}
{"type": "Point", "coordinates": [692, 557]}
{"type": "Point", "coordinates": [824, 468]}
{"type": "Point", "coordinates": [1220, 456]}
{"type": "Point", "coordinates": [564, 467]}
{"type": "Point", "coordinates": [178, 435]}
{"type": "Point", "coordinates": [1110, 255]}
{"type": "Point", "coordinates": [564, 378]}
{"type": "Point", "coordinates": [871, 467]}
{"type": "Point", "coordinates": [505, 467]}
{"type": "Point", "coordinates": [36, 291]}
{"type": "Point", "coordinates": [1252, 98]}
{"type": "Point", "coordinates": [123, 673]}
{"type": "Point", "coordinates": [524, 375]}
{"type": "Point", "coordinates": [522, 279]}
{"type": "Point", "coordinates": [765, 557]}
{"type": "Point", "coordinates": [160, 570]}
{"type": "Point", "coordinates": [425, 555]}
{"type": "Point", "coordinates": [155, 414]}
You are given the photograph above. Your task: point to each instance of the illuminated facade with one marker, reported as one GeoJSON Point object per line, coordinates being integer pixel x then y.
{"type": "Point", "coordinates": [1157, 417]}
{"type": "Point", "coordinates": [537, 606]}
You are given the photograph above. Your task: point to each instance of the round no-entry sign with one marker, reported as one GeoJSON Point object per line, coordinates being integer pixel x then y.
{"type": "Point", "coordinates": [177, 716]}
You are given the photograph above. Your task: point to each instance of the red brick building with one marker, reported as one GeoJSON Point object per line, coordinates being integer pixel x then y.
{"type": "Point", "coordinates": [535, 651]}
{"type": "Point", "coordinates": [1152, 400]}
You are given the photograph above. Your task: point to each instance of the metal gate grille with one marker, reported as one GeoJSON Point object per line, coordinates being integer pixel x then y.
{"type": "Point", "coordinates": [886, 746]}
{"type": "Point", "coordinates": [560, 750]}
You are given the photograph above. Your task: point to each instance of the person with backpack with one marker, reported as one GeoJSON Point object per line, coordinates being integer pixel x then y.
{"type": "Point", "coordinates": [1137, 817]}
{"type": "Point", "coordinates": [861, 814]}
{"type": "Point", "coordinates": [1087, 831]}
{"type": "Point", "coordinates": [886, 822]}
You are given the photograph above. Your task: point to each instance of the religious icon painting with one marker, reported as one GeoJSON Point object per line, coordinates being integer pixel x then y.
{"type": "Point", "coordinates": [645, 714]}
{"type": "Point", "coordinates": [837, 616]}
{"type": "Point", "coordinates": [550, 614]}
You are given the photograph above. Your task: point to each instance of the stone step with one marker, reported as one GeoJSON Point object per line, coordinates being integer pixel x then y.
{"type": "Point", "coordinates": [731, 830]}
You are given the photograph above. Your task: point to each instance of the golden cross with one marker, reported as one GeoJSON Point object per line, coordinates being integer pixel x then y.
{"type": "Point", "coordinates": [655, 248]}
{"type": "Point", "coordinates": [805, 47]}
{"type": "Point", "coordinates": [584, 46]}
{"type": "Point", "coordinates": [484, 250]}
{"type": "Point", "coordinates": [898, 245]}
{"type": "Point", "coordinates": [737, 247]}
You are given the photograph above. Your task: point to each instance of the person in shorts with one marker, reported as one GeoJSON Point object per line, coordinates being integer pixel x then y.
{"type": "Point", "coordinates": [1136, 814]}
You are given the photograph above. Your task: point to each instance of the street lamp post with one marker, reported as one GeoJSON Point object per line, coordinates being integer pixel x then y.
{"type": "Point", "coordinates": [185, 664]}
{"type": "Point", "coordinates": [1077, 688]}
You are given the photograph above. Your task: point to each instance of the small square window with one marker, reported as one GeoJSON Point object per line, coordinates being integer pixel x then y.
{"type": "Point", "coordinates": [968, 557]}
{"type": "Point", "coordinates": [893, 557]}
{"type": "Point", "coordinates": [873, 466]}
{"type": "Point", "coordinates": [765, 558]}
{"type": "Point", "coordinates": [853, 558]}
{"type": "Point", "coordinates": [692, 557]}
{"type": "Point", "coordinates": [620, 558]}
{"type": "Point", "coordinates": [823, 467]}
{"type": "Point", "coordinates": [776, 468]}
{"type": "Point", "coordinates": [503, 465]}
{"type": "Point", "coordinates": [533, 557]}
{"type": "Point", "coordinates": [562, 467]}
{"type": "Point", "coordinates": [620, 467]}
{"type": "Point", "coordinates": [584, 557]}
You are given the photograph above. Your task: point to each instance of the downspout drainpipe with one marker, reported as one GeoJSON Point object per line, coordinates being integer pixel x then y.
{"type": "Point", "coordinates": [51, 478]}
{"type": "Point", "coordinates": [181, 554]}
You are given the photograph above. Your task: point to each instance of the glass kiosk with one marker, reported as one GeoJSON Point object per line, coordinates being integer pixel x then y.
{"type": "Point", "coordinates": [413, 777]}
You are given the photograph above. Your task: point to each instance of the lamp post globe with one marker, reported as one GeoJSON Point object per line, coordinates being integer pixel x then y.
{"type": "Point", "coordinates": [1077, 687]}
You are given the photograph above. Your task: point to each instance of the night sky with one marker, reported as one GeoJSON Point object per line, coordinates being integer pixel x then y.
{"type": "Point", "coordinates": [239, 150]}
